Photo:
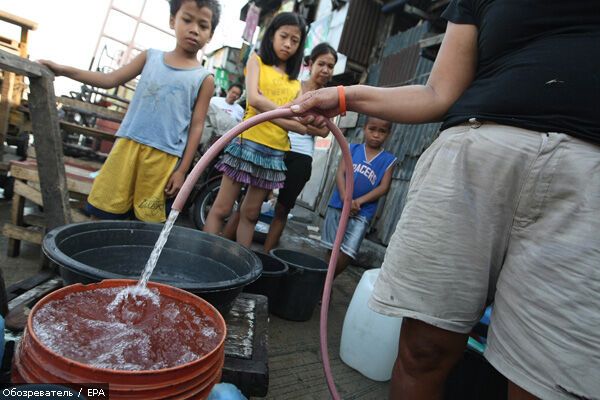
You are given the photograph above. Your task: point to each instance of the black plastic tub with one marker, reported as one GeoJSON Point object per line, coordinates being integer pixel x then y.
{"type": "Point", "coordinates": [301, 287]}
{"type": "Point", "coordinates": [269, 283]}
{"type": "Point", "coordinates": [209, 266]}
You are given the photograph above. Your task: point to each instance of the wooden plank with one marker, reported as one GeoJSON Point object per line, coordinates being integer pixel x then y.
{"type": "Point", "coordinates": [90, 108]}
{"type": "Point", "coordinates": [29, 298]}
{"type": "Point", "coordinates": [14, 244]}
{"type": "Point", "coordinates": [79, 186]}
{"type": "Point", "coordinates": [21, 66]}
{"type": "Point", "coordinates": [240, 329]}
{"type": "Point", "coordinates": [30, 193]}
{"type": "Point", "coordinates": [39, 220]}
{"type": "Point", "coordinates": [12, 46]}
{"type": "Point", "coordinates": [69, 161]}
{"type": "Point", "coordinates": [19, 171]}
{"type": "Point", "coordinates": [24, 285]}
{"type": "Point", "coordinates": [79, 216]}
{"type": "Point", "coordinates": [3, 296]}
{"type": "Point", "coordinates": [51, 169]}
{"type": "Point", "coordinates": [16, 20]}
{"type": "Point", "coordinates": [8, 81]}
{"type": "Point", "coordinates": [246, 359]}
{"type": "Point", "coordinates": [83, 164]}
{"type": "Point", "coordinates": [431, 41]}
{"type": "Point", "coordinates": [32, 234]}
{"type": "Point", "coordinates": [436, 5]}
{"type": "Point", "coordinates": [85, 130]}
{"type": "Point", "coordinates": [34, 220]}
{"type": "Point", "coordinates": [76, 182]}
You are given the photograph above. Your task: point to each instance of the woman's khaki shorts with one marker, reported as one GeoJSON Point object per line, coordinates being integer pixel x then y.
{"type": "Point", "coordinates": [503, 214]}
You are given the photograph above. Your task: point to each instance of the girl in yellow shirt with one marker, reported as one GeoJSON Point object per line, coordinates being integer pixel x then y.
{"type": "Point", "coordinates": [255, 158]}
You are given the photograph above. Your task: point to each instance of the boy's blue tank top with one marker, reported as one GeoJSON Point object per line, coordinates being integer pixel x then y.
{"type": "Point", "coordinates": [160, 112]}
{"type": "Point", "coordinates": [367, 176]}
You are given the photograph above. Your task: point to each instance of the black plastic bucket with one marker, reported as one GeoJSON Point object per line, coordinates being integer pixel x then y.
{"type": "Point", "coordinates": [301, 287]}
{"type": "Point", "coordinates": [208, 266]}
{"type": "Point", "coordinates": [269, 283]}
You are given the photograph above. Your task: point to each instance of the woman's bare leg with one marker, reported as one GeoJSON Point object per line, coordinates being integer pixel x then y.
{"type": "Point", "coordinates": [425, 357]}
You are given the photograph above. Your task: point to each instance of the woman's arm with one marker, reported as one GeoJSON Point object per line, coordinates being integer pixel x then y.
{"type": "Point", "coordinates": [453, 71]}
{"type": "Point", "coordinates": [195, 134]}
{"type": "Point", "coordinates": [100, 79]}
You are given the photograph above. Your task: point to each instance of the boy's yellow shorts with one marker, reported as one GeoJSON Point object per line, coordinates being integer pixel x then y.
{"type": "Point", "coordinates": [132, 178]}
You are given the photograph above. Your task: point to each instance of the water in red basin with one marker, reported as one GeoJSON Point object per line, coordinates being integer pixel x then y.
{"type": "Point", "coordinates": [133, 333]}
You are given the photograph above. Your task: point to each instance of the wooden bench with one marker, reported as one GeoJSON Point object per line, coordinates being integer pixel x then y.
{"type": "Point", "coordinates": [30, 227]}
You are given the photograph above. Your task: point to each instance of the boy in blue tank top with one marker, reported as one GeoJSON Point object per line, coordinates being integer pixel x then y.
{"type": "Point", "coordinates": [372, 178]}
{"type": "Point", "coordinates": [160, 133]}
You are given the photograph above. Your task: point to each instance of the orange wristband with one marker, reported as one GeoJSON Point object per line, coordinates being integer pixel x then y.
{"type": "Point", "coordinates": [342, 99]}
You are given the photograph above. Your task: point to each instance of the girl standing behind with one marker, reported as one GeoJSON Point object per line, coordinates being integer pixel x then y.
{"type": "Point", "coordinates": [255, 158]}
{"type": "Point", "coordinates": [298, 160]}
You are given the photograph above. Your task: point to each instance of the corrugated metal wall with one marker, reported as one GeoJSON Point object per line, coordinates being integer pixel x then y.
{"type": "Point", "coordinates": [407, 142]}
{"type": "Point", "coordinates": [360, 30]}
{"type": "Point", "coordinates": [399, 68]}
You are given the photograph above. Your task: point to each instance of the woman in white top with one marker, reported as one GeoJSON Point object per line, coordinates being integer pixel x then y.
{"type": "Point", "coordinates": [298, 160]}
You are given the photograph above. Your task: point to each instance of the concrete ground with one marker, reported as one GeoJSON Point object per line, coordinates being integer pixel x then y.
{"type": "Point", "coordinates": [294, 356]}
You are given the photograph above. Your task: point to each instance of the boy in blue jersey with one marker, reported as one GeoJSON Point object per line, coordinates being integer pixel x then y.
{"type": "Point", "coordinates": [372, 178]}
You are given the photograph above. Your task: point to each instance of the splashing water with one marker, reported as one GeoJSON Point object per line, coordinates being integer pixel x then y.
{"type": "Point", "coordinates": [132, 300]}
{"type": "Point", "coordinates": [133, 303]}
{"type": "Point", "coordinates": [160, 243]}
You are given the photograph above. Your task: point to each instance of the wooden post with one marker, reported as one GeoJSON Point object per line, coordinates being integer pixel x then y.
{"type": "Point", "coordinates": [13, 85]}
{"type": "Point", "coordinates": [3, 296]}
{"type": "Point", "coordinates": [49, 151]}
{"type": "Point", "coordinates": [6, 95]}
{"type": "Point", "coordinates": [18, 204]}
{"type": "Point", "coordinates": [47, 137]}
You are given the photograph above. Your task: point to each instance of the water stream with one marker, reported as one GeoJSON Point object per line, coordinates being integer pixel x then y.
{"type": "Point", "coordinates": [131, 300]}
{"type": "Point", "coordinates": [158, 247]}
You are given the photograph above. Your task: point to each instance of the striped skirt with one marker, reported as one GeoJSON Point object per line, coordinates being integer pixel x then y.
{"type": "Point", "coordinates": [253, 164]}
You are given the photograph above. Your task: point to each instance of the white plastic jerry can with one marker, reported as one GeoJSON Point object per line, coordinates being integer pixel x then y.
{"type": "Point", "coordinates": [369, 340]}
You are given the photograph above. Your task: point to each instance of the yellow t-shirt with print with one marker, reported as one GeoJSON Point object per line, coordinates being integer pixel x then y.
{"type": "Point", "coordinates": [275, 86]}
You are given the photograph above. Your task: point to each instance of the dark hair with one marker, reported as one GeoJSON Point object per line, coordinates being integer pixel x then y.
{"type": "Point", "coordinates": [319, 50]}
{"type": "Point", "coordinates": [370, 117]}
{"type": "Point", "coordinates": [212, 5]}
{"type": "Point", "coordinates": [237, 85]}
{"type": "Point", "coordinates": [266, 52]}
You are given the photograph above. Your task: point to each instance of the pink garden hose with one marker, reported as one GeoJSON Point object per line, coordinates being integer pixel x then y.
{"type": "Point", "coordinates": [213, 152]}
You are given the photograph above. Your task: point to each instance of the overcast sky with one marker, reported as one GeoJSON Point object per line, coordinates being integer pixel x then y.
{"type": "Point", "coordinates": [68, 30]}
